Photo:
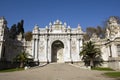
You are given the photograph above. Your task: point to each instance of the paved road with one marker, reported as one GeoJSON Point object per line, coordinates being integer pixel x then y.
{"type": "Point", "coordinates": [54, 72]}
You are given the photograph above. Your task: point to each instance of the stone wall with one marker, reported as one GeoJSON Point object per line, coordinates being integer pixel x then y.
{"type": "Point", "coordinates": [114, 63]}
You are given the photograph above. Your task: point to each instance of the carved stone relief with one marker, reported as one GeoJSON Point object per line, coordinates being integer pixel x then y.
{"type": "Point", "coordinates": [73, 45]}
{"type": "Point", "coordinates": [41, 45]}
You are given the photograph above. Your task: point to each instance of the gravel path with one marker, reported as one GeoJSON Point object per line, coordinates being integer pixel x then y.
{"type": "Point", "coordinates": [55, 72]}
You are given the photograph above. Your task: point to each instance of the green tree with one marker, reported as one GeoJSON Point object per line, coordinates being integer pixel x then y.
{"type": "Point", "coordinates": [20, 28]}
{"type": "Point", "coordinates": [13, 31]}
{"type": "Point", "coordinates": [28, 36]}
{"type": "Point", "coordinates": [91, 55]}
{"type": "Point", "coordinates": [89, 32]}
{"type": "Point", "coordinates": [22, 58]}
{"type": "Point", "coordinates": [17, 29]}
{"type": "Point", "coordinates": [99, 31]}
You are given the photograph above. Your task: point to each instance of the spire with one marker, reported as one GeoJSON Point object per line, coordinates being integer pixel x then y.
{"type": "Point", "coordinates": [65, 24]}
{"type": "Point", "coordinates": [50, 24]}
{"type": "Point", "coordinates": [57, 21]}
{"type": "Point", "coordinates": [46, 27]}
{"type": "Point", "coordinates": [36, 28]}
{"type": "Point", "coordinates": [54, 22]}
{"type": "Point", "coordinates": [68, 27]}
{"type": "Point", "coordinates": [79, 28]}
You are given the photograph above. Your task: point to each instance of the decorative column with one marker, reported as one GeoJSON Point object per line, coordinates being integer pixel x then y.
{"type": "Point", "coordinates": [33, 48]}
{"type": "Point", "coordinates": [79, 46]}
{"type": "Point", "coordinates": [69, 44]}
{"type": "Point", "coordinates": [1, 51]}
{"type": "Point", "coordinates": [36, 50]}
{"type": "Point", "coordinates": [35, 42]}
{"type": "Point", "coordinates": [47, 50]}
{"type": "Point", "coordinates": [70, 51]}
{"type": "Point", "coordinates": [46, 38]}
{"type": "Point", "coordinates": [80, 43]}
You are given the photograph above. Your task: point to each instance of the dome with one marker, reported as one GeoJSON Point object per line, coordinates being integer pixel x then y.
{"type": "Point", "coordinates": [57, 22]}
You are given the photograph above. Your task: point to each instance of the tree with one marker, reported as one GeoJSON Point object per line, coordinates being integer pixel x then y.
{"type": "Point", "coordinates": [17, 29]}
{"type": "Point", "coordinates": [28, 36]}
{"type": "Point", "coordinates": [91, 54]}
{"type": "Point", "coordinates": [13, 31]}
{"type": "Point", "coordinates": [23, 58]}
{"type": "Point", "coordinates": [99, 31]}
{"type": "Point", "coordinates": [89, 32]}
{"type": "Point", "coordinates": [20, 28]}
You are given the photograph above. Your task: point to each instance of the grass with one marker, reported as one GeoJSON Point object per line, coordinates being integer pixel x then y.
{"type": "Point", "coordinates": [102, 69]}
{"type": "Point", "coordinates": [113, 74]}
{"type": "Point", "coordinates": [12, 70]}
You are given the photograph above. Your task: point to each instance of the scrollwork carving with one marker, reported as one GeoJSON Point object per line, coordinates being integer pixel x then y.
{"type": "Point", "coordinates": [41, 45]}
{"type": "Point", "coordinates": [73, 45]}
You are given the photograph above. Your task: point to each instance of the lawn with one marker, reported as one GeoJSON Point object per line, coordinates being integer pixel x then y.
{"type": "Point", "coordinates": [113, 74]}
{"type": "Point", "coordinates": [102, 69]}
{"type": "Point", "coordinates": [12, 70]}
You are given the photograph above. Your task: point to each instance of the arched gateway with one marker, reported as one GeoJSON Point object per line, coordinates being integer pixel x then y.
{"type": "Point", "coordinates": [57, 54]}
{"type": "Point", "coordinates": [57, 43]}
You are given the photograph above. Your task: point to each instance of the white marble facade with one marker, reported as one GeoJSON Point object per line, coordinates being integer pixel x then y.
{"type": "Point", "coordinates": [110, 45]}
{"type": "Point", "coordinates": [57, 43]}
{"type": "Point", "coordinates": [3, 29]}
{"type": "Point", "coordinates": [60, 43]}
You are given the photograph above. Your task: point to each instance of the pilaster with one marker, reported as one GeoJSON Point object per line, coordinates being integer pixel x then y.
{"type": "Point", "coordinates": [47, 56]}
{"type": "Point", "coordinates": [36, 50]}
{"type": "Point", "coordinates": [33, 48]}
{"type": "Point", "coordinates": [69, 49]}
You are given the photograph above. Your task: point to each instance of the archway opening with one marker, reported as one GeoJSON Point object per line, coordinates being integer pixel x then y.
{"type": "Point", "coordinates": [57, 52]}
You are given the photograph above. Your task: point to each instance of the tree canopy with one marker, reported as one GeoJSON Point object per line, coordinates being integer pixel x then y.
{"type": "Point", "coordinates": [20, 28]}
{"type": "Point", "coordinates": [28, 36]}
{"type": "Point", "coordinates": [99, 31]}
{"type": "Point", "coordinates": [16, 29]}
{"type": "Point", "coordinates": [13, 31]}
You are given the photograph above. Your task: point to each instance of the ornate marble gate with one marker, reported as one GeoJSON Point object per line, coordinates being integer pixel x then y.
{"type": "Point", "coordinates": [57, 43]}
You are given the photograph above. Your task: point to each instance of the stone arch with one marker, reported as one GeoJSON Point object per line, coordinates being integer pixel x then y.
{"type": "Point", "coordinates": [57, 51]}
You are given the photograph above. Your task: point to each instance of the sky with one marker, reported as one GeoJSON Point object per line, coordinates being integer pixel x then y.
{"type": "Point", "coordinates": [87, 13]}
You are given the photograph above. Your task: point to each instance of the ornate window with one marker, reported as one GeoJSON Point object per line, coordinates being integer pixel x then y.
{"type": "Point", "coordinates": [118, 49]}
